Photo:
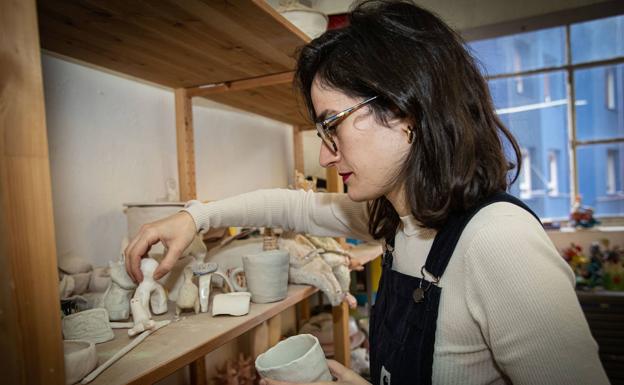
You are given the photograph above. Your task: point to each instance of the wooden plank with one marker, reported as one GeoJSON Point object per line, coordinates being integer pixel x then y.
{"type": "Point", "coordinates": [259, 340]}
{"type": "Point", "coordinates": [242, 84]}
{"type": "Point", "coordinates": [197, 370]}
{"type": "Point", "coordinates": [275, 329]}
{"type": "Point", "coordinates": [185, 145]}
{"type": "Point", "coordinates": [303, 312]}
{"type": "Point", "coordinates": [334, 181]}
{"type": "Point", "coordinates": [185, 341]}
{"type": "Point", "coordinates": [30, 331]}
{"type": "Point", "coordinates": [342, 343]}
{"type": "Point", "coordinates": [298, 149]}
{"type": "Point", "coordinates": [205, 41]}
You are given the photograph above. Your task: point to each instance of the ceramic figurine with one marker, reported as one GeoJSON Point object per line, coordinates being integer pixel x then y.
{"type": "Point", "coordinates": [66, 286]}
{"type": "Point", "coordinates": [204, 272]}
{"type": "Point", "coordinates": [308, 267]}
{"type": "Point", "coordinates": [89, 325]}
{"type": "Point", "coordinates": [116, 299]}
{"type": "Point", "coordinates": [141, 318]}
{"type": "Point", "coordinates": [80, 360]}
{"type": "Point", "coordinates": [149, 291]}
{"type": "Point", "coordinates": [188, 297]}
{"type": "Point", "coordinates": [334, 255]}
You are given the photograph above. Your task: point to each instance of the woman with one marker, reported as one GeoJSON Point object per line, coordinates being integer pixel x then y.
{"type": "Point", "coordinates": [472, 291]}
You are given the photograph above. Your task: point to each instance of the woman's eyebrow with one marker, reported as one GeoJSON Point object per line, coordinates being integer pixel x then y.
{"type": "Point", "coordinates": [324, 114]}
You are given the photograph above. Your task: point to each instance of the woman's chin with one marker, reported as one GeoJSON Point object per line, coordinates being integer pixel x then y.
{"type": "Point", "coordinates": [359, 196]}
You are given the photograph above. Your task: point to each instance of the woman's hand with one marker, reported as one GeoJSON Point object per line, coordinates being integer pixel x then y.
{"type": "Point", "coordinates": [176, 232]}
{"type": "Point", "coordinates": [344, 376]}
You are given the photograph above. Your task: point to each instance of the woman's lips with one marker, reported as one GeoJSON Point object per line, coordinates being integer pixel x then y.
{"type": "Point", "coordinates": [345, 176]}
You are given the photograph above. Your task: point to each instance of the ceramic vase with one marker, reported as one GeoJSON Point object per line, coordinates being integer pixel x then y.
{"type": "Point", "coordinates": [266, 274]}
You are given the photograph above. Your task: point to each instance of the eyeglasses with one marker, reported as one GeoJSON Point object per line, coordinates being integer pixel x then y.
{"type": "Point", "coordinates": [326, 129]}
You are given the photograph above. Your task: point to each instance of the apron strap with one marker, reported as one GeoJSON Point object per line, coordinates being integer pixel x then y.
{"type": "Point", "coordinates": [446, 239]}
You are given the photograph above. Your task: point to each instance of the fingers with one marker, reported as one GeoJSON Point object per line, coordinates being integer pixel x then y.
{"type": "Point", "coordinates": [173, 254]}
{"type": "Point", "coordinates": [138, 249]}
{"type": "Point", "coordinates": [337, 369]}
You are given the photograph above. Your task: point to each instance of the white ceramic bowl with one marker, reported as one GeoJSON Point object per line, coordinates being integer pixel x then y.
{"type": "Point", "coordinates": [296, 359]}
{"type": "Point", "coordinates": [80, 359]}
{"type": "Point", "coordinates": [312, 23]}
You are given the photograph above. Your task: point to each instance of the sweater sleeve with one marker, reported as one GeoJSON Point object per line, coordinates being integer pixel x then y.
{"type": "Point", "coordinates": [321, 214]}
{"type": "Point", "coordinates": [521, 293]}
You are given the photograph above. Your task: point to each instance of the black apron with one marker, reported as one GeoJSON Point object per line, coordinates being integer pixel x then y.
{"type": "Point", "coordinates": [404, 317]}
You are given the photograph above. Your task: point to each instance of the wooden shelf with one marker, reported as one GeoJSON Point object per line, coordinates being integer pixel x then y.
{"type": "Point", "coordinates": [182, 44]}
{"type": "Point", "coordinates": [185, 341]}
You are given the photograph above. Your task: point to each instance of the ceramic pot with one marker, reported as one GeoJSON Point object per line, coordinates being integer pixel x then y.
{"type": "Point", "coordinates": [266, 274]}
{"type": "Point", "coordinates": [296, 359]}
{"type": "Point", "coordinates": [80, 360]}
{"type": "Point", "coordinates": [90, 325]}
{"type": "Point", "coordinates": [312, 22]}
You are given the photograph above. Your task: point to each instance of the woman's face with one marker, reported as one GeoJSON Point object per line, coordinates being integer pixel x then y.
{"type": "Point", "coordinates": [369, 154]}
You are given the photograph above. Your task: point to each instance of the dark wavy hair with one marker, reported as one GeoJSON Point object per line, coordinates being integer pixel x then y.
{"type": "Point", "coordinates": [422, 72]}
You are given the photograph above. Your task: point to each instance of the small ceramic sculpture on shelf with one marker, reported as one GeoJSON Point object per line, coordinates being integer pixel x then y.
{"type": "Point", "coordinates": [188, 297]}
{"type": "Point", "coordinates": [236, 304]}
{"type": "Point", "coordinates": [150, 292]}
{"type": "Point", "coordinates": [307, 266]}
{"type": "Point", "coordinates": [338, 259]}
{"type": "Point", "coordinates": [116, 299]}
{"type": "Point", "coordinates": [141, 318]}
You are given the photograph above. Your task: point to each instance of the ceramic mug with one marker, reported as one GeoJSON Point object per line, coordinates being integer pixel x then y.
{"type": "Point", "coordinates": [296, 359]}
{"type": "Point", "coordinates": [266, 274]}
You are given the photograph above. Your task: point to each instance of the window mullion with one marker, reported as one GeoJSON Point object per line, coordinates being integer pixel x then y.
{"type": "Point", "coordinates": [571, 110]}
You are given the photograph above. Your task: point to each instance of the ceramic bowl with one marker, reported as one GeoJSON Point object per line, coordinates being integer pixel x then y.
{"type": "Point", "coordinates": [80, 359]}
{"type": "Point", "coordinates": [296, 359]}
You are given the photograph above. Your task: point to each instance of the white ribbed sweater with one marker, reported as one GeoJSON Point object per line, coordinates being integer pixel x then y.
{"type": "Point", "coordinates": [508, 312]}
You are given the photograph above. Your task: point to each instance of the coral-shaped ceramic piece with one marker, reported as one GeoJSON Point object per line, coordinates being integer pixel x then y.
{"type": "Point", "coordinates": [188, 298]}
{"type": "Point", "coordinates": [241, 372]}
{"type": "Point", "coordinates": [307, 266]}
{"type": "Point", "coordinates": [150, 292]}
{"type": "Point", "coordinates": [116, 299]}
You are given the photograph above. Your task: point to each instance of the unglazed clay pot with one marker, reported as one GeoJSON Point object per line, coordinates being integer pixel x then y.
{"type": "Point", "coordinates": [80, 360]}
{"type": "Point", "coordinates": [90, 325]}
{"type": "Point", "coordinates": [266, 274]}
{"type": "Point", "coordinates": [296, 359]}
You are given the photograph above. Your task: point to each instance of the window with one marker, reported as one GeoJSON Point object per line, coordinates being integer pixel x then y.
{"type": "Point", "coordinates": [533, 78]}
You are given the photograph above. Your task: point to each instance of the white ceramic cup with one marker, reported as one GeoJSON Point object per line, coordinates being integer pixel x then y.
{"type": "Point", "coordinates": [266, 274]}
{"type": "Point", "coordinates": [296, 359]}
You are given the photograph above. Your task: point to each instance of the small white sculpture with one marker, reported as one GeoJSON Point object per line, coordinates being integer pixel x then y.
{"type": "Point", "coordinates": [141, 317]}
{"type": "Point", "coordinates": [150, 292]}
{"type": "Point", "coordinates": [66, 286]}
{"type": "Point", "coordinates": [116, 299]}
{"type": "Point", "coordinates": [188, 298]}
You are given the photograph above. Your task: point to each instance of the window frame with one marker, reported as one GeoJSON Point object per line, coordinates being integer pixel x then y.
{"type": "Point", "coordinates": [569, 68]}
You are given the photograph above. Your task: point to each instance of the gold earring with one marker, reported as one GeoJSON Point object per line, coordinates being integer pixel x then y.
{"type": "Point", "coordinates": [410, 134]}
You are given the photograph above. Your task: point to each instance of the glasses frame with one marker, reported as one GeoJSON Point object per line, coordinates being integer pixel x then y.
{"type": "Point", "coordinates": [323, 127]}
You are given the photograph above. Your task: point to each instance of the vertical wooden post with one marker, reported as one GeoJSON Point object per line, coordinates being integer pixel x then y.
{"type": "Point", "coordinates": [342, 342]}
{"type": "Point", "coordinates": [30, 326]}
{"type": "Point", "coordinates": [275, 329]}
{"type": "Point", "coordinates": [298, 149]}
{"type": "Point", "coordinates": [185, 144]}
{"type": "Point", "coordinates": [340, 313]}
{"type": "Point", "coordinates": [197, 371]}
{"type": "Point", "coordinates": [334, 181]}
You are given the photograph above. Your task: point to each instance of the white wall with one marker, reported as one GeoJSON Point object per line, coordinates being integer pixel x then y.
{"type": "Point", "coordinates": [112, 140]}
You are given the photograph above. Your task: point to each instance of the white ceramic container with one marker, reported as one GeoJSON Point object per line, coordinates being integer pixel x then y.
{"type": "Point", "coordinates": [266, 274]}
{"type": "Point", "coordinates": [235, 304]}
{"type": "Point", "coordinates": [80, 360]}
{"type": "Point", "coordinates": [296, 359]}
{"type": "Point", "coordinates": [89, 325]}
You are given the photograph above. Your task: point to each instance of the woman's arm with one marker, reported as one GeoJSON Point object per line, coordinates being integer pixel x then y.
{"type": "Point", "coordinates": [321, 214]}
{"type": "Point", "coordinates": [521, 293]}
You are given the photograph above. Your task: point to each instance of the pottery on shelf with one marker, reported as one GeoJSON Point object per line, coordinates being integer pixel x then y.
{"type": "Point", "coordinates": [73, 264]}
{"type": "Point", "coordinates": [89, 325]}
{"type": "Point", "coordinates": [150, 292]}
{"type": "Point", "coordinates": [141, 318]}
{"type": "Point", "coordinates": [81, 282]}
{"type": "Point", "coordinates": [80, 360]}
{"type": "Point", "coordinates": [312, 22]}
{"type": "Point", "coordinates": [266, 274]}
{"type": "Point", "coordinates": [99, 280]}
{"type": "Point", "coordinates": [188, 297]}
{"type": "Point", "coordinates": [236, 304]}
{"type": "Point", "coordinates": [66, 286]}
{"type": "Point", "coordinates": [295, 359]}
{"type": "Point", "coordinates": [116, 299]}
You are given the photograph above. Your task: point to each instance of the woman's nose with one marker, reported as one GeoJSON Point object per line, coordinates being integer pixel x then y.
{"type": "Point", "coordinates": [328, 158]}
